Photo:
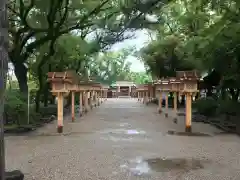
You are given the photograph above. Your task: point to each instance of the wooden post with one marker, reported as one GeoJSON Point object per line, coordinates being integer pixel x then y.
{"type": "Point", "coordinates": [166, 104]}
{"type": "Point", "coordinates": [91, 99]}
{"type": "Point", "coordinates": [175, 102]}
{"type": "Point", "coordinates": [151, 95]}
{"type": "Point", "coordinates": [102, 96]}
{"type": "Point", "coordinates": [147, 97]}
{"type": "Point", "coordinates": [95, 98]}
{"type": "Point", "coordinates": [144, 97]}
{"type": "Point", "coordinates": [160, 103]}
{"type": "Point", "coordinates": [80, 103]}
{"type": "Point", "coordinates": [188, 112]}
{"type": "Point", "coordinates": [175, 95]}
{"type": "Point", "coordinates": [60, 113]}
{"type": "Point", "coordinates": [73, 105]}
{"type": "Point", "coordinates": [86, 101]}
{"type": "Point", "coordinates": [3, 79]}
{"type": "Point", "coordinates": [98, 98]}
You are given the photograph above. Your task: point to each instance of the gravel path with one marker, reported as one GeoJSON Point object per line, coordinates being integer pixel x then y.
{"type": "Point", "coordinates": [123, 140]}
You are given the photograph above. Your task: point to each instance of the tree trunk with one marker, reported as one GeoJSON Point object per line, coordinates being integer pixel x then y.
{"type": "Point", "coordinates": [21, 74]}
{"type": "Point", "coordinates": [45, 95]}
{"type": "Point", "coordinates": [39, 91]}
{"type": "Point", "coordinates": [37, 100]}
{"type": "Point", "coordinates": [3, 73]}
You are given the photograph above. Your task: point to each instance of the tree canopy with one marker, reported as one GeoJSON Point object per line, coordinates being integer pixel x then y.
{"type": "Point", "coordinates": [202, 35]}
{"type": "Point", "coordinates": [34, 24]}
{"type": "Point", "coordinates": [58, 35]}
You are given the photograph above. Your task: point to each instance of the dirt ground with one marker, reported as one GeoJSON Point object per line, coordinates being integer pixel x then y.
{"type": "Point", "coordinates": [124, 140]}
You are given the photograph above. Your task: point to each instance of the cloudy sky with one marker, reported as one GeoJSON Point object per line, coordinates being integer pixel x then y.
{"type": "Point", "coordinates": [142, 38]}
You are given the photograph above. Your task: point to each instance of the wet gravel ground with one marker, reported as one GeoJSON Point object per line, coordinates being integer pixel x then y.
{"type": "Point", "coordinates": [123, 140]}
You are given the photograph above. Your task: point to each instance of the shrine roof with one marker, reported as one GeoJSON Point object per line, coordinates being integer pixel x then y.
{"type": "Point", "coordinates": [67, 76]}
{"type": "Point", "coordinates": [124, 83]}
{"type": "Point", "coordinates": [188, 75]}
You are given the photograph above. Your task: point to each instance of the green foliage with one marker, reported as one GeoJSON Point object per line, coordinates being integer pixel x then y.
{"type": "Point", "coordinates": [202, 35]}
{"type": "Point", "coordinates": [16, 109]}
{"type": "Point", "coordinates": [112, 66]}
{"type": "Point", "coordinates": [229, 107]}
{"type": "Point", "coordinates": [35, 27]}
{"type": "Point", "coordinates": [206, 106]}
{"type": "Point", "coordinates": [48, 111]}
{"type": "Point", "coordinates": [211, 107]}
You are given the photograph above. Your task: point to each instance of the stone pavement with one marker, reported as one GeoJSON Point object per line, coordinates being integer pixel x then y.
{"type": "Point", "coordinates": [122, 140]}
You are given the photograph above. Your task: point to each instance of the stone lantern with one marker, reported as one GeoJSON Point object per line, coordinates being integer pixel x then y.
{"type": "Point", "coordinates": [146, 93]}
{"type": "Point", "coordinates": [142, 91]}
{"type": "Point", "coordinates": [96, 87]}
{"type": "Point", "coordinates": [139, 93]}
{"type": "Point", "coordinates": [86, 87]}
{"type": "Point", "coordinates": [188, 86]}
{"type": "Point", "coordinates": [62, 83]}
{"type": "Point", "coordinates": [158, 87]}
{"type": "Point", "coordinates": [175, 85]}
{"type": "Point", "coordinates": [166, 88]}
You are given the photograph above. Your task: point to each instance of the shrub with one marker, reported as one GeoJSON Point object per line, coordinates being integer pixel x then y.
{"type": "Point", "coordinates": [206, 106]}
{"type": "Point", "coordinates": [229, 107]}
{"type": "Point", "coordinates": [16, 109]}
{"type": "Point", "coordinates": [49, 110]}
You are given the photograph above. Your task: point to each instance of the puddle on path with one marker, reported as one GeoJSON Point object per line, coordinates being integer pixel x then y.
{"type": "Point", "coordinates": [123, 131]}
{"type": "Point", "coordinates": [124, 124]}
{"type": "Point", "coordinates": [195, 134]}
{"type": "Point", "coordinates": [115, 139]}
{"type": "Point", "coordinates": [140, 166]}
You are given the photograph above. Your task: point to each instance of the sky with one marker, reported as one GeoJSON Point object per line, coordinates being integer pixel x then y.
{"type": "Point", "coordinates": [141, 39]}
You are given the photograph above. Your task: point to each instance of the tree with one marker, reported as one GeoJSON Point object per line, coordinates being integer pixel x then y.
{"type": "Point", "coordinates": [34, 23]}
{"type": "Point", "coordinates": [3, 74]}
{"type": "Point", "coordinates": [110, 66]}
{"type": "Point", "coordinates": [201, 35]}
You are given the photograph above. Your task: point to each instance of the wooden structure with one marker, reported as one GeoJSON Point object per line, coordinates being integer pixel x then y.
{"type": "Point", "coordinates": [163, 86]}
{"type": "Point", "coordinates": [143, 93]}
{"type": "Point", "coordinates": [150, 91]}
{"type": "Point", "coordinates": [185, 83]}
{"type": "Point", "coordinates": [122, 88]}
{"type": "Point", "coordinates": [90, 93]}
{"type": "Point", "coordinates": [188, 86]}
{"type": "Point", "coordinates": [174, 86]}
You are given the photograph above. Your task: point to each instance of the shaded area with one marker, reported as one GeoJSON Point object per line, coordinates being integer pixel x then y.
{"type": "Point", "coordinates": [179, 133]}
{"type": "Point", "coordinates": [140, 166]}
{"type": "Point", "coordinates": [14, 175]}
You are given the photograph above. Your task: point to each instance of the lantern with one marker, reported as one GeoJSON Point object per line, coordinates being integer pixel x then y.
{"type": "Point", "coordinates": [189, 81]}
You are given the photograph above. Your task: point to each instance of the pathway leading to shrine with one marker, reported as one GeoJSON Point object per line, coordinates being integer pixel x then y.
{"type": "Point", "coordinates": [123, 140]}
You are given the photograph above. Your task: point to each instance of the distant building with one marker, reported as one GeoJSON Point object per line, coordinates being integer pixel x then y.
{"type": "Point", "coordinates": [124, 88]}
